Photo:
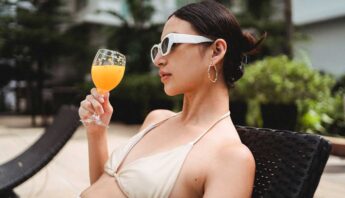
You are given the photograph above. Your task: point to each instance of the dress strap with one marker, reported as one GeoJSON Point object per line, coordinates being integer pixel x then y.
{"type": "Point", "coordinates": [152, 126]}
{"type": "Point", "coordinates": [160, 122]}
{"type": "Point", "coordinates": [143, 132]}
{"type": "Point", "coordinates": [214, 124]}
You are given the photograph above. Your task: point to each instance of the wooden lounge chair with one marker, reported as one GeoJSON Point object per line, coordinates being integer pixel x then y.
{"type": "Point", "coordinates": [39, 154]}
{"type": "Point", "coordinates": [288, 164]}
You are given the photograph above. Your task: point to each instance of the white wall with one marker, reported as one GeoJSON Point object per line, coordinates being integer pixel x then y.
{"type": "Point", "coordinates": [310, 11]}
{"type": "Point", "coordinates": [325, 45]}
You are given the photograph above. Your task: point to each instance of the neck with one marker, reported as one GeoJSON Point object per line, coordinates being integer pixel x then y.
{"type": "Point", "coordinates": [205, 105]}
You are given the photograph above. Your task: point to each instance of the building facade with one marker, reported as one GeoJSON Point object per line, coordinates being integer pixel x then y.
{"type": "Point", "coordinates": [323, 25]}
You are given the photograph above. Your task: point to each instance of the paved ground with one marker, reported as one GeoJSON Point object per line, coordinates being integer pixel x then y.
{"type": "Point", "coordinates": [67, 174]}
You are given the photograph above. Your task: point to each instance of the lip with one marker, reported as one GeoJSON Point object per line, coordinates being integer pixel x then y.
{"type": "Point", "coordinates": [164, 75]}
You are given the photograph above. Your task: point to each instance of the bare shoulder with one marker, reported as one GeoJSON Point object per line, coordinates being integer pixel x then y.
{"type": "Point", "coordinates": [156, 116]}
{"type": "Point", "coordinates": [228, 148]}
{"type": "Point", "coordinates": [234, 154]}
{"type": "Point", "coordinates": [232, 170]}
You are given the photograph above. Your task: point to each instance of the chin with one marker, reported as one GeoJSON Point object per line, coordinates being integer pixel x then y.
{"type": "Point", "coordinates": [170, 91]}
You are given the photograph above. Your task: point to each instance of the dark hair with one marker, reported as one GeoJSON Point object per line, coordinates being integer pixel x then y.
{"type": "Point", "coordinates": [213, 20]}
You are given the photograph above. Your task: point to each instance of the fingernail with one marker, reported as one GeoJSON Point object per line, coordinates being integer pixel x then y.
{"type": "Point", "coordinates": [101, 99]}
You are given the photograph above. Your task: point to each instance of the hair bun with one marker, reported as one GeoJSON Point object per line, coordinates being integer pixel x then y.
{"type": "Point", "coordinates": [250, 44]}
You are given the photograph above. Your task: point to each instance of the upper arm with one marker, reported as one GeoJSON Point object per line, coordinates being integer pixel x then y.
{"type": "Point", "coordinates": [231, 174]}
{"type": "Point", "coordinates": [156, 116]}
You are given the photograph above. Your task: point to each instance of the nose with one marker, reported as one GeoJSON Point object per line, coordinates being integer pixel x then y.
{"type": "Point", "coordinates": [159, 60]}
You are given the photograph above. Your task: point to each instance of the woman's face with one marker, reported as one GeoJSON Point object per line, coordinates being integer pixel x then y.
{"type": "Point", "coordinates": [184, 69]}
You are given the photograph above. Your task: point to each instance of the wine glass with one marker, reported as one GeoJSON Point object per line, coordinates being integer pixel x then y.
{"type": "Point", "coordinates": [107, 71]}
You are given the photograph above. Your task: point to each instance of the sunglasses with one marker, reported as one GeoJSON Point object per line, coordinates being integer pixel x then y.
{"type": "Point", "coordinates": [169, 40]}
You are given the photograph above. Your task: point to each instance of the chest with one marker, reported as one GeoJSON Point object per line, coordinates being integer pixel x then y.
{"type": "Point", "coordinates": [191, 180]}
{"type": "Point", "coordinates": [170, 160]}
{"type": "Point", "coordinates": [160, 140]}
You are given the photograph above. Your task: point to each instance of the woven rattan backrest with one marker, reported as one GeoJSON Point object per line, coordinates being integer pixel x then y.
{"type": "Point", "coordinates": [288, 164]}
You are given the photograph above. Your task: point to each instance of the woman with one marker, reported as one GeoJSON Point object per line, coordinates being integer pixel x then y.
{"type": "Point", "coordinates": [194, 153]}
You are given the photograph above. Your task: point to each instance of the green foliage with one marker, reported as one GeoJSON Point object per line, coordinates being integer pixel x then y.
{"type": "Point", "coordinates": [135, 38]}
{"type": "Point", "coordinates": [141, 11]}
{"type": "Point", "coordinates": [283, 81]}
{"type": "Point", "coordinates": [36, 39]}
{"type": "Point", "coordinates": [258, 17]}
{"type": "Point", "coordinates": [240, 90]}
{"type": "Point", "coordinates": [340, 85]}
{"type": "Point", "coordinates": [333, 110]}
{"type": "Point", "coordinates": [32, 36]}
{"type": "Point", "coordinates": [136, 44]}
{"type": "Point", "coordinates": [139, 94]}
{"type": "Point", "coordinates": [78, 52]}
{"type": "Point", "coordinates": [320, 116]}
{"type": "Point", "coordinates": [6, 74]}
{"type": "Point", "coordinates": [259, 9]}
{"type": "Point", "coordinates": [254, 113]}
{"type": "Point", "coordinates": [139, 87]}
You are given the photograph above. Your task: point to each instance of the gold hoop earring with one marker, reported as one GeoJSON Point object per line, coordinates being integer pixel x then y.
{"type": "Point", "coordinates": [209, 74]}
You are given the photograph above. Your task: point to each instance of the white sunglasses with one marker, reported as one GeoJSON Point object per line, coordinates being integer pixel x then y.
{"type": "Point", "coordinates": [169, 40]}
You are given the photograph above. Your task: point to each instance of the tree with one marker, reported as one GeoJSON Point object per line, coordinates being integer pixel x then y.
{"type": "Point", "coordinates": [136, 35]}
{"type": "Point", "coordinates": [289, 27]}
{"type": "Point", "coordinates": [32, 37]}
{"type": "Point", "coordinates": [258, 15]}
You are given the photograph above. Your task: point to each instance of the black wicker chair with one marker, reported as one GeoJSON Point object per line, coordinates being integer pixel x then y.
{"type": "Point", "coordinates": [28, 163]}
{"type": "Point", "coordinates": [288, 164]}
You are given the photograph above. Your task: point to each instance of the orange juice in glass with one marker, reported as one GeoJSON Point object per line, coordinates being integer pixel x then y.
{"type": "Point", "coordinates": [107, 77]}
{"type": "Point", "coordinates": [107, 71]}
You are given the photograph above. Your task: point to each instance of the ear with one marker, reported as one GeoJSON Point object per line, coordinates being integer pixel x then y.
{"type": "Point", "coordinates": [219, 48]}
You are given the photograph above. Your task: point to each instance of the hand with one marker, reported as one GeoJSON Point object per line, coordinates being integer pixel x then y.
{"type": "Point", "coordinates": [96, 103]}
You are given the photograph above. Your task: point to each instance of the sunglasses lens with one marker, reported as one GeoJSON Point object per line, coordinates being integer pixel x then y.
{"type": "Point", "coordinates": [165, 44]}
{"type": "Point", "coordinates": [154, 52]}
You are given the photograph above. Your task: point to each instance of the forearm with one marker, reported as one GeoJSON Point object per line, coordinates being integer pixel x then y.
{"type": "Point", "coordinates": [98, 153]}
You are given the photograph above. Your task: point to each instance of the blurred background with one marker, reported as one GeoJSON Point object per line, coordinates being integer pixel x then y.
{"type": "Point", "coordinates": [295, 82]}
{"type": "Point", "coordinates": [46, 50]}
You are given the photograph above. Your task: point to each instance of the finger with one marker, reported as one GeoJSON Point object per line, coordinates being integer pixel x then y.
{"type": "Point", "coordinates": [87, 105]}
{"type": "Point", "coordinates": [107, 105]}
{"type": "Point", "coordinates": [106, 95]}
{"type": "Point", "coordinates": [106, 98]}
{"type": "Point", "coordinates": [95, 104]}
{"type": "Point", "coordinates": [97, 95]}
{"type": "Point", "coordinates": [84, 113]}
